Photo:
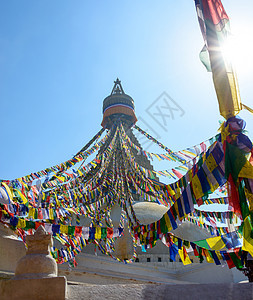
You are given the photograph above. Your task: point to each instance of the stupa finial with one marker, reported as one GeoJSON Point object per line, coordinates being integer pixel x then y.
{"type": "Point", "coordinates": [117, 88]}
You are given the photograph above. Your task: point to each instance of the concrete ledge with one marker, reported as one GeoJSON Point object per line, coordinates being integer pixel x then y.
{"type": "Point", "coordinates": [105, 267]}
{"type": "Point", "coordinates": [34, 289]}
{"type": "Point", "coordinates": [233, 291]}
{"type": "Point", "coordinates": [104, 270]}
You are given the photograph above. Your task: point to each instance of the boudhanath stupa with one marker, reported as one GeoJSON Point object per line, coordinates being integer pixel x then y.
{"type": "Point", "coordinates": [109, 214]}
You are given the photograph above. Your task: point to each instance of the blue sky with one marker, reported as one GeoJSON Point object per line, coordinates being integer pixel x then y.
{"type": "Point", "coordinates": [58, 61]}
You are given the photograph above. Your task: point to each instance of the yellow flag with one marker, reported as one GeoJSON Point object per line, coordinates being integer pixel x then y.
{"type": "Point", "coordinates": [98, 233]}
{"type": "Point", "coordinates": [184, 256]}
{"type": "Point", "coordinates": [51, 214]}
{"type": "Point", "coordinates": [247, 240]}
{"type": "Point", "coordinates": [167, 221]}
{"type": "Point", "coordinates": [176, 209]}
{"type": "Point", "coordinates": [249, 196]}
{"type": "Point", "coordinates": [10, 194]}
{"type": "Point", "coordinates": [211, 163]}
{"type": "Point", "coordinates": [197, 188]}
{"type": "Point", "coordinates": [64, 229]}
{"type": "Point", "coordinates": [214, 23]}
{"type": "Point", "coordinates": [21, 223]}
{"type": "Point", "coordinates": [208, 257]}
{"type": "Point", "coordinates": [190, 174]}
{"type": "Point", "coordinates": [22, 197]}
{"type": "Point", "coordinates": [31, 213]}
{"type": "Point", "coordinates": [61, 178]}
{"type": "Point", "coordinates": [79, 172]}
{"type": "Point", "coordinates": [178, 190]}
{"type": "Point", "coordinates": [246, 171]}
{"type": "Point", "coordinates": [215, 243]}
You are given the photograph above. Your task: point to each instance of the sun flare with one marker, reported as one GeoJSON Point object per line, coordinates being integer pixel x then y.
{"type": "Point", "coordinates": [237, 49]}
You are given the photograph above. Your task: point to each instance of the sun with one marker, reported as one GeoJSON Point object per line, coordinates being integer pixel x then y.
{"type": "Point", "coordinates": [236, 50]}
{"type": "Point", "coordinates": [231, 49]}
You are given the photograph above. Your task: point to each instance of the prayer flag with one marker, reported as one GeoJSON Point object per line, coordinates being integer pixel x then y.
{"type": "Point", "coordinates": [215, 243]}
{"type": "Point", "coordinates": [215, 257]}
{"type": "Point", "coordinates": [184, 256]}
{"type": "Point", "coordinates": [247, 240]}
{"type": "Point", "coordinates": [214, 24]}
{"type": "Point", "coordinates": [208, 256]}
{"type": "Point", "coordinates": [64, 229]}
{"type": "Point", "coordinates": [98, 233]}
{"type": "Point", "coordinates": [173, 251]}
{"type": "Point", "coordinates": [202, 244]}
{"type": "Point", "coordinates": [85, 232]}
{"type": "Point", "coordinates": [21, 223]}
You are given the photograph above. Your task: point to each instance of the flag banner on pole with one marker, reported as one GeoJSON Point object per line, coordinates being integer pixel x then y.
{"type": "Point", "coordinates": [214, 24]}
